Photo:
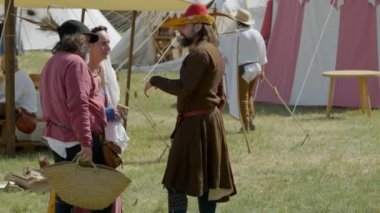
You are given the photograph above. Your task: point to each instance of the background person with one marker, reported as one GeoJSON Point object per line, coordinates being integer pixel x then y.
{"type": "Point", "coordinates": [198, 162]}
{"type": "Point", "coordinates": [25, 92]}
{"type": "Point", "coordinates": [104, 74]}
{"type": "Point", "coordinates": [251, 56]}
{"type": "Point", "coordinates": [71, 105]}
{"type": "Point", "coordinates": [105, 78]}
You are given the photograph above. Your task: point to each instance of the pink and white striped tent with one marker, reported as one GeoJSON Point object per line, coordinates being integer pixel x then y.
{"type": "Point", "coordinates": [307, 37]}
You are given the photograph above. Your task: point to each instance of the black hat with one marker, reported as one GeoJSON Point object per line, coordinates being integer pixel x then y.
{"type": "Point", "coordinates": [72, 27]}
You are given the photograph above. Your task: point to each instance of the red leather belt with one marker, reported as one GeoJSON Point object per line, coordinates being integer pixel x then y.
{"type": "Point", "coordinates": [196, 112]}
{"type": "Point", "coordinates": [182, 115]}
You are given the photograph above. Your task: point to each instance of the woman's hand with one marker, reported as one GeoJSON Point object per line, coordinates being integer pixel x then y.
{"type": "Point", "coordinates": [123, 111]}
{"type": "Point", "coordinates": [85, 154]}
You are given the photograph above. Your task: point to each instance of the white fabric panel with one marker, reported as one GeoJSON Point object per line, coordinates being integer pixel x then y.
{"type": "Point", "coordinates": [274, 13]}
{"type": "Point", "coordinates": [34, 39]}
{"type": "Point", "coordinates": [228, 46]}
{"type": "Point", "coordinates": [316, 86]}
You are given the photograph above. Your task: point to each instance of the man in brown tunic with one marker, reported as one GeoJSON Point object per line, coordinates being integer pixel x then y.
{"type": "Point", "coordinates": [198, 163]}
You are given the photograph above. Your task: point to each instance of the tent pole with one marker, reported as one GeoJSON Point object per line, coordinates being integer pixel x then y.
{"type": "Point", "coordinates": [83, 15]}
{"type": "Point", "coordinates": [130, 61]}
{"type": "Point", "coordinates": [9, 133]}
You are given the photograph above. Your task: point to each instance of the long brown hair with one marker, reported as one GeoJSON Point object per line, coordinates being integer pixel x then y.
{"type": "Point", "coordinates": [209, 34]}
{"type": "Point", "coordinates": [75, 43]}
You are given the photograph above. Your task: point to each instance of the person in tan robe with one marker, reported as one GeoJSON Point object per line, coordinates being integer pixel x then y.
{"type": "Point", "coordinates": [198, 163]}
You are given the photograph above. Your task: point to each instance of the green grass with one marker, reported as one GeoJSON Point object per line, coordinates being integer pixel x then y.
{"type": "Point", "coordinates": [33, 61]}
{"type": "Point", "coordinates": [336, 170]}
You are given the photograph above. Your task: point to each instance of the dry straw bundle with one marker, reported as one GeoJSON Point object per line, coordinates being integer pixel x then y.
{"type": "Point", "coordinates": [87, 185]}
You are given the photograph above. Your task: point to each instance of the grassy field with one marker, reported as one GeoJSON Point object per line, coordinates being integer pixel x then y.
{"type": "Point", "coordinates": [336, 170]}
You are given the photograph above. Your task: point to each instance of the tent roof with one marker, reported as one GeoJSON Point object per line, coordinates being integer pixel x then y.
{"type": "Point", "coordinates": [34, 39]}
{"type": "Point", "coordinates": [105, 5]}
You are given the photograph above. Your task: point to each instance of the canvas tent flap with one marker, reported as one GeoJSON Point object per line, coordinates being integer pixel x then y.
{"type": "Point", "coordinates": [34, 39]}
{"type": "Point", "coordinates": [319, 36]}
{"type": "Point", "coordinates": [105, 5]}
{"type": "Point", "coordinates": [28, 37]}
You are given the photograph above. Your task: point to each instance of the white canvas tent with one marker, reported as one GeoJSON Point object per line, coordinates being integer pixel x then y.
{"type": "Point", "coordinates": [144, 56]}
{"type": "Point", "coordinates": [144, 52]}
{"type": "Point", "coordinates": [28, 37]}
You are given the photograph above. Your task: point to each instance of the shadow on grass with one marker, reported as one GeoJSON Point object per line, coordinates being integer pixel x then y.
{"type": "Point", "coordinates": [31, 154]}
{"type": "Point", "coordinates": [279, 109]}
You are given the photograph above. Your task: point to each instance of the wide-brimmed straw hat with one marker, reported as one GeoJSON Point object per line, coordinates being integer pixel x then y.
{"type": "Point", "coordinates": [196, 13]}
{"type": "Point", "coordinates": [243, 16]}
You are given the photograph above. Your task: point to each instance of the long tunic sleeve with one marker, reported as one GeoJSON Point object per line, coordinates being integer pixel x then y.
{"type": "Point", "coordinates": [197, 87]}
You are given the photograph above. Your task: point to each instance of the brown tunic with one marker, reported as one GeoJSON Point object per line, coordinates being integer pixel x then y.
{"type": "Point", "coordinates": [198, 159]}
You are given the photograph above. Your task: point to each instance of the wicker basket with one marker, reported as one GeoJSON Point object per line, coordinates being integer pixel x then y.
{"type": "Point", "coordinates": [87, 185]}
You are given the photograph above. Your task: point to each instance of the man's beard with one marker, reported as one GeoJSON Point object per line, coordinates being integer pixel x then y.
{"type": "Point", "coordinates": [185, 42]}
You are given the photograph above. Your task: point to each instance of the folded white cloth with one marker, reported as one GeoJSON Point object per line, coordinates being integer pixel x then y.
{"type": "Point", "coordinates": [251, 71]}
{"type": "Point", "coordinates": [58, 146]}
{"type": "Point", "coordinates": [114, 131]}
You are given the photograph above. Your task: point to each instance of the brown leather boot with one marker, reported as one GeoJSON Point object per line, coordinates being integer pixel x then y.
{"type": "Point", "coordinates": [252, 126]}
{"type": "Point", "coordinates": [247, 126]}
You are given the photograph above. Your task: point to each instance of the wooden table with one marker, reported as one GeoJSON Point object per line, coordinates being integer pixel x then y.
{"type": "Point", "coordinates": [362, 76]}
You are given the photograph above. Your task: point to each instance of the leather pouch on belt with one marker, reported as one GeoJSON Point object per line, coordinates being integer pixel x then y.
{"type": "Point", "coordinates": [111, 154]}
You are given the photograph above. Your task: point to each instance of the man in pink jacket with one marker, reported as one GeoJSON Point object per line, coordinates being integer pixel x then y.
{"type": "Point", "coordinates": [72, 105]}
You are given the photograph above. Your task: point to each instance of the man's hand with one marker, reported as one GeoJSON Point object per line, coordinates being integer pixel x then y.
{"type": "Point", "coordinates": [148, 85]}
{"type": "Point", "coordinates": [85, 154]}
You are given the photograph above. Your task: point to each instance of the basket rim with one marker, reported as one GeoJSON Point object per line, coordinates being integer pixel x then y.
{"type": "Point", "coordinates": [65, 175]}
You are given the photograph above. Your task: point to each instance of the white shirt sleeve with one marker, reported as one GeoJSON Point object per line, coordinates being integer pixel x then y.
{"type": "Point", "coordinates": [251, 47]}
{"type": "Point", "coordinates": [25, 92]}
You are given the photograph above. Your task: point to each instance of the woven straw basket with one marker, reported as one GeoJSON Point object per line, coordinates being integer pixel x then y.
{"type": "Point", "coordinates": [87, 185]}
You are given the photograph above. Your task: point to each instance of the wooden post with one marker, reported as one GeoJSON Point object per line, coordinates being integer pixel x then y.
{"type": "Point", "coordinates": [130, 61]}
{"type": "Point", "coordinates": [9, 23]}
{"type": "Point", "coordinates": [83, 15]}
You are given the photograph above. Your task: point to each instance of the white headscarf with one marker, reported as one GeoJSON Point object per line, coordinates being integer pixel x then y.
{"type": "Point", "coordinates": [112, 89]}
{"type": "Point", "coordinates": [114, 131]}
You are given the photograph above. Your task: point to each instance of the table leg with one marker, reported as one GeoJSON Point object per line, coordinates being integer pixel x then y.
{"type": "Point", "coordinates": [362, 95]}
{"type": "Point", "coordinates": [366, 97]}
{"type": "Point", "coordinates": [331, 96]}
